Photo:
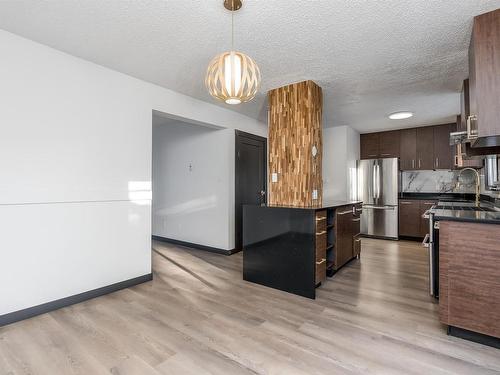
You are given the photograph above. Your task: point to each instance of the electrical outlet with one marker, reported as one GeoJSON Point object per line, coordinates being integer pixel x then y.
{"type": "Point", "coordinates": [315, 194]}
{"type": "Point", "coordinates": [274, 177]}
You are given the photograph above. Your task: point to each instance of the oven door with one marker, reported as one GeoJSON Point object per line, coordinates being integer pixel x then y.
{"type": "Point", "coordinates": [431, 242]}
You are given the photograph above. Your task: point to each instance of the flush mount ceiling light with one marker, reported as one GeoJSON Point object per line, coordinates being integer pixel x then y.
{"type": "Point", "coordinates": [400, 115]}
{"type": "Point", "coordinates": [233, 76]}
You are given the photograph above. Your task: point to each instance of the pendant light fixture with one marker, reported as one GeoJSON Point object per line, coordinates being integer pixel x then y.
{"type": "Point", "coordinates": [233, 76]}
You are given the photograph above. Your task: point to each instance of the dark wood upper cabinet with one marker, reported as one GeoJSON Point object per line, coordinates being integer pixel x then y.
{"type": "Point", "coordinates": [464, 107]}
{"type": "Point", "coordinates": [389, 144]}
{"type": "Point", "coordinates": [484, 79]}
{"type": "Point", "coordinates": [425, 147]}
{"type": "Point", "coordinates": [443, 152]}
{"type": "Point", "coordinates": [369, 145]}
{"type": "Point", "coordinates": [408, 149]}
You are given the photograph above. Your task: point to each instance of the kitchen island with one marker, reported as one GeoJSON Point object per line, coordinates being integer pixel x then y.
{"type": "Point", "coordinates": [293, 248]}
{"type": "Point", "coordinates": [468, 260]}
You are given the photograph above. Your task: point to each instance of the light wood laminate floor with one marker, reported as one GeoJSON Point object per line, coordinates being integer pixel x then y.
{"type": "Point", "coordinates": [198, 317]}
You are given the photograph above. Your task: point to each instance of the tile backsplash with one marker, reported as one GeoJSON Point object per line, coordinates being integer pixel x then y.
{"type": "Point", "coordinates": [436, 182]}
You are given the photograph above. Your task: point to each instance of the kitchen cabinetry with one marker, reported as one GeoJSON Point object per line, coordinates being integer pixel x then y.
{"type": "Point", "coordinates": [380, 145]}
{"type": "Point", "coordinates": [408, 152]}
{"type": "Point", "coordinates": [389, 144]}
{"type": "Point", "coordinates": [484, 81]}
{"type": "Point", "coordinates": [425, 148]}
{"type": "Point", "coordinates": [411, 222]}
{"type": "Point", "coordinates": [409, 218]}
{"type": "Point", "coordinates": [469, 277]}
{"type": "Point", "coordinates": [443, 152]}
{"type": "Point", "coordinates": [369, 145]}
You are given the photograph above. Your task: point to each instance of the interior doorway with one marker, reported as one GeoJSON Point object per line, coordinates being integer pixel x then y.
{"type": "Point", "coordinates": [250, 177]}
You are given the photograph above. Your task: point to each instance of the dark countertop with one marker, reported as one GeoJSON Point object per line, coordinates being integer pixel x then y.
{"type": "Point", "coordinates": [439, 196]}
{"type": "Point", "coordinates": [468, 215]}
{"type": "Point", "coordinates": [326, 204]}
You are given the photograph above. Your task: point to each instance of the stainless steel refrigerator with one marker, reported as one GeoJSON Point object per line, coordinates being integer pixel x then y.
{"type": "Point", "coordinates": [378, 182]}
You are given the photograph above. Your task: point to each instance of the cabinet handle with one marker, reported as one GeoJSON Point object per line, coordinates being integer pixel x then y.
{"type": "Point", "coordinates": [323, 260]}
{"type": "Point", "coordinates": [471, 133]}
{"type": "Point", "coordinates": [437, 162]}
{"type": "Point", "coordinates": [344, 213]}
{"type": "Point", "coordinates": [321, 233]}
{"type": "Point", "coordinates": [403, 202]}
{"type": "Point", "coordinates": [385, 154]}
{"type": "Point", "coordinates": [358, 219]}
{"type": "Point", "coordinates": [419, 164]}
{"type": "Point", "coordinates": [320, 218]}
{"type": "Point", "coordinates": [413, 163]}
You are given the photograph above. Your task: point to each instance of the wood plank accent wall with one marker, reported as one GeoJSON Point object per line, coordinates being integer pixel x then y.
{"type": "Point", "coordinates": [295, 126]}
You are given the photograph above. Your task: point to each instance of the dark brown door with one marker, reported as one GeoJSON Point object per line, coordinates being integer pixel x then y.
{"type": "Point", "coordinates": [369, 146]}
{"type": "Point", "coordinates": [408, 149]}
{"type": "Point", "coordinates": [343, 233]}
{"type": "Point", "coordinates": [409, 218]}
{"type": "Point", "coordinates": [424, 223]}
{"type": "Point", "coordinates": [464, 107]}
{"type": "Point", "coordinates": [250, 176]}
{"type": "Point", "coordinates": [425, 147]}
{"type": "Point", "coordinates": [484, 77]}
{"type": "Point", "coordinates": [443, 152]}
{"type": "Point", "coordinates": [389, 144]}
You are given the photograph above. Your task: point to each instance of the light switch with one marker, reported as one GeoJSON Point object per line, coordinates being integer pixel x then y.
{"type": "Point", "coordinates": [274, 177]}
{"type": "Point", "coordinates": [315, 194]}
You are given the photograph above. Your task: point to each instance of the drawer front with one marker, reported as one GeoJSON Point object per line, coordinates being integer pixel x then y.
{"type": "Point", "coordinates": [356, 226]}
{"type": "Point", "coordinates": [320, 221]}
{"type": "Point", "coordinates": [321, 239]}
{"type": "Point", "coordinates": [320, 271]}
{"type": "Point", "coordinates": [356, 246]}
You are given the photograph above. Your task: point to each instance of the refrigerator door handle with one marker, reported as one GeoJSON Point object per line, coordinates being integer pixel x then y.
{"type": "Point", "coordinates": [374, 181]}
{"type": "Point", "coordinates": [389, 208]}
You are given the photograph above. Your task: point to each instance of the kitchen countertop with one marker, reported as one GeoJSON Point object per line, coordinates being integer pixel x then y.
{"type": "Point", "coordinates": [440, 196]}
{"type": "Point", "coordinates": [485, 217]}
{"type": "Point", "coordinates": [326, 204]}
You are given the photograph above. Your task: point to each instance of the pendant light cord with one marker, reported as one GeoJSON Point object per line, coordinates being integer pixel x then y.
{"type": "Point", "coordinates": [232, 28]}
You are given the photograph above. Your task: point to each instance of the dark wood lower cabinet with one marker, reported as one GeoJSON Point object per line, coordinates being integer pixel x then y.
{"type": "Point", "coordinates": [469, 276]}
{"type": "Point", "coordinates": [409, 218]}
{"type": "Point", "coordinates": [344, 236]}
{"type": "Point", "coordinates": [411, 222]}
{"type": "Point", "coordinates": [291, 248]}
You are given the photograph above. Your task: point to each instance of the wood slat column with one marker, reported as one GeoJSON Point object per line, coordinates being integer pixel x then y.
{"type": "Point", "coordinates": [295, 127]}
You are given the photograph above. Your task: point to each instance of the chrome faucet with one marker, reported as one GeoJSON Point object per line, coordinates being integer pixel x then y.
{"type": "Point", "coordinates": [478, 182]}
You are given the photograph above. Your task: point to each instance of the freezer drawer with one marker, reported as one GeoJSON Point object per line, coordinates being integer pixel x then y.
{"type": "Point", "coordinates": [380, 221]}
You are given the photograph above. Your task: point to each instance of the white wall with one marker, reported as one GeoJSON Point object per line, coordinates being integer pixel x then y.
{"type": "Point", "coordinates": [340, 152]}
{"type": "Point", "coordinates": [75, 171]}
{"type": "Point", "coordinates": [192, 204]}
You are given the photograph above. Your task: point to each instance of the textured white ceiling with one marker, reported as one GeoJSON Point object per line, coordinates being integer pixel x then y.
{"type": "Point", "coordinates": [371, 57]}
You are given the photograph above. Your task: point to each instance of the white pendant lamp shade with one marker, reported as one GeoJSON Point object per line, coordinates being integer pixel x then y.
{"type": "Point", "coordinates": [233, 77]}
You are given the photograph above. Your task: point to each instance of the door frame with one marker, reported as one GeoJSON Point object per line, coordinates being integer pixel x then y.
{"type": "Point", "coordinates": [238, 135]}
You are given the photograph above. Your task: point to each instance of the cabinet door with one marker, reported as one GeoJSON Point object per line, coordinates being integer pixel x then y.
{"type": "Point", "coordinates": [389, 144]}
{"type": "Point", "coordinates": [464, 107]}
{"type": "Point", "coordinates": [424, 223]}
{"type": "Point", "coordinates": [343, 236]}
{"type": "Point", "coordinates": [408, 149]}
{"type": "Point", "coordinates": [484, 76]}
{"type": "Point", "coordinates": [409, 218]}
{"type": "Point", "coordinates": [443, 152]}
{"type": "Point", "coordinates": [369, 145]}
{"type": "Point", "coordinates": [425, 148]}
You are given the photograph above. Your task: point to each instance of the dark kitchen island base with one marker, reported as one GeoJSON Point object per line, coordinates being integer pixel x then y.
{"type": "Point", "coordinates": [291, 248]}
